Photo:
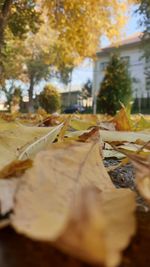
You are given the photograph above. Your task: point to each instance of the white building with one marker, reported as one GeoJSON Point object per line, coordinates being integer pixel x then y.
{"type": "Point", "coordinates": [130, 50]}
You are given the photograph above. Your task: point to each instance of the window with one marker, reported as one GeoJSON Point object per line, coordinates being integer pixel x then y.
{"type": "Point", "coordinates": [147, 60]}
{"type": "Point", "coordinates": [147, 74]}
{"type": "Point", "coordinates": [126, 59]}
{"type": "Point", "coordinates": [147, 83]}
{"type": "Point", "coordinates": [103, 65]}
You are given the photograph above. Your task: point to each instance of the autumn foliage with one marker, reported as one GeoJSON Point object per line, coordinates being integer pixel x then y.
{"type": "Point", "coordinates": [43, 37]}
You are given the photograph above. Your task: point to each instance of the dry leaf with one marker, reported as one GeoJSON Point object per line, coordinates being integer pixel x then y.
{"type": "Point", "coordinates": [122, 120]}
{"type": "Point", "coordinates": [15, 168]}
{"type": "Point", "coordinates": [40, 143]}
{"type": "Point", "coordinates": [101, 225]}
{"type": "Point", "coordinates": [142, 166]}
{"type": "Point", "coordinates": [109, 152]}
{"type": "Point", "coordinates": [142, 124]}
{"type": "Point", "coordinates": [134, 148]}
{"type": "Point", "coordinates": [113, 136]}
{"type": "Point", "coordinates": [4, 223]}
{"type": "Point", "coordinates": [48, 188]}
{"type": "Point", "coordinates": [106, 125]}
{"type": "Point", "coordinates": [90, 117]}
{"type": "Point", "coordinates": [90, 135]}
{"type": "Point", "coordinates": [64, 129]}
{"type": "Point", "coordinates": [17, 139]}
{"type": "Point", "coordinates": [44, 206]}
{"type": "Point", "coordinates": [75, 135]}
{"type": "Point", "coordinates": [112, 154]}
{"type": "Point", "coordinates": [80, 125]}
{"type": "Point", "coordinates": [51, 120]}
{"type": "Point", "coordinates": [7, 192]}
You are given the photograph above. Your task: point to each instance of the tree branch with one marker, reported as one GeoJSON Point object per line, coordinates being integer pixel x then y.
{"type": "Point", "coordinates": [6, 8]}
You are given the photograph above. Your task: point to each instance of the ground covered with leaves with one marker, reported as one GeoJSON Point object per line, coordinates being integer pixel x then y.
{"type": "Point", "coordinates": [74, 190]}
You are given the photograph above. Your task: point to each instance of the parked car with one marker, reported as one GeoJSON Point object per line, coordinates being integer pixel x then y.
{"type": "Point", "coordinates": [74, 109]}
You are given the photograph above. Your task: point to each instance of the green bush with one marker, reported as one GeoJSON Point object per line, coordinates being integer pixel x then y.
{"type": "Point", "coordinates": [116, 87]}
{"type": "Point", "coordinates": [49, 99]}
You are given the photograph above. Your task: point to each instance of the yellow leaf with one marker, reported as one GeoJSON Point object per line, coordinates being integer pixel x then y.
{"type": "Point", "coordinates": [133, 149]}
{"type": "Point", "coordinates": [19, 142]}
{"type": "Point", "coordinates": [79, 124]}
{"type": "Point", "coordinates": [80, 24]}
{"type": "Point", "coordinates": [122, 120]}
{"type": "Point", "coordinates": [142, 124]}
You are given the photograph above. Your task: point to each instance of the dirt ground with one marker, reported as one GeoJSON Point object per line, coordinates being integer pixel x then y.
{"type": "Point", "coordinates": [18, 251]}
{"type": "Point", "coordinates": [124, 177]}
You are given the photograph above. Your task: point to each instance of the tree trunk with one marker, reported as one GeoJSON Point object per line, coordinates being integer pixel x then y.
{"type": "Point", "coordinates": [30, 91]}
{"type": "Point", "coordinates": [1, 46]}
{"type": "Point", "coordinates": [69, 91]}
{"type": "Point", "coordinates": [1, 33]}
{"type": "Point", "coordinates": [4, 14]}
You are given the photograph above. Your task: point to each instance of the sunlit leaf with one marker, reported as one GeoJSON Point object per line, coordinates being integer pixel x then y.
{"type": "Point", "coordinates": [68, 194]}
{"type": "Point", "coordinates": [16, 168]}
{"type": "Point", "coordinates": [80, 125]}
{"type": "Point", "coordinates": [142, 124]}
{"type": "Point", "coordinates": [19, 142]}
{"type": "Point", "coordinates": [122, 120]}
{"type": "Point", "coordinates": [112, 136]}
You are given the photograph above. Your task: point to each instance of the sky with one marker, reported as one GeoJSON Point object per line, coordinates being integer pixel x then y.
{"type": "Point", "coordinates": [85, 71]}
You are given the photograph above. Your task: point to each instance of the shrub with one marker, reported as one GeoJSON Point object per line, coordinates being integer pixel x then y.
{"type": "Point", "coordinates": [49, 99]}
{"type": "Point", "coordinates": [116, 87]}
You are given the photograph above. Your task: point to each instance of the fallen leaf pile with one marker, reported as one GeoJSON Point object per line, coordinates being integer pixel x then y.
{"type": "Point", "coordinates": [54, 186]}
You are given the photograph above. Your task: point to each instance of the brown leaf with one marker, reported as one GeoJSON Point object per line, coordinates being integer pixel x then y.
{"type": "Point", "coordinates": [90, 135]}
{"type": "Point", "coordinates": [50, 196]}
{"type": "Point", "coordinates": [51, 120]}
{"type": "Point", "coordinates": [100, 226]}
{"type": "Point", "coordinates": [15, 168]}
{"type": "Point", "coordinates": [4, 223]}
{"type": "Point", "coordinates": [49, 187]}
{"type": "Point", "coordinates": [63, 130]}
